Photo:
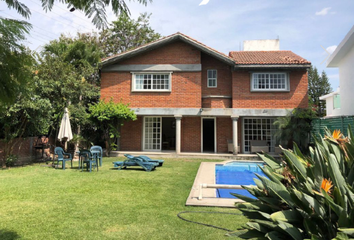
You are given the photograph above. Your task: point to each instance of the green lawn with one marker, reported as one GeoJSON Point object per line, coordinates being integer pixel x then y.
{"type": "Point", "coordinates": [44, 203]}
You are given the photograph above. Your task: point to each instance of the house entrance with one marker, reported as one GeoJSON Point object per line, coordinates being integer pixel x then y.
{"type": "Point", "coordinates": [208, 135]}
{"type": "Point", "coordinates": [159, 133]}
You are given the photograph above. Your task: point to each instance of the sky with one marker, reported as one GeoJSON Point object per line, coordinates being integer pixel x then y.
{"type": "Point", "coordinates": [309, 28]}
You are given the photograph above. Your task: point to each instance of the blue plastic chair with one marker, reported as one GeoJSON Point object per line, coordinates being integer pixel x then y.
{"type": "Point", "coordinates": [61, 156]}
{"type": "Point", "coordinates": [90, 159]}
{"type": "Point", "coordinates": [98, 148]}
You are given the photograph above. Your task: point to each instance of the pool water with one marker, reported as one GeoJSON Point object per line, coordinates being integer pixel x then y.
{"type": "Point", "coordinates": [236, 173]}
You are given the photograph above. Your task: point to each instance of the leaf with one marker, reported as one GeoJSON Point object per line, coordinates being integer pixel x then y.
{"type": "Point", "coordinates": [295, 162]}
{"type": "Point", "coordinates": [286, 216]}
{"type": "Point", "coordinates": [348, 231]}
{"type": "Point", "coordinates": [336, 174]}
{"type": "Point", "coordinates": [273, 235]}
{"type": "Point", "coordinates": [270, 161]}
{"type": "Point", "coordinates": [291, 230]}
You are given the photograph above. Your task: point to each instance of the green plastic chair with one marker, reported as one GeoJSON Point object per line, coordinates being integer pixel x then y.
{"type": "Point", "coordinates": [90, 159]}
{"type": "Point", "coordinates": [61, 157]}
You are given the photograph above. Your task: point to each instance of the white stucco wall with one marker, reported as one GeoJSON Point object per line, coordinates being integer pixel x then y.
{"type": "Point", "coordinates": [346, 78]}
{"type": "Point", "coordinates": [261, 45]}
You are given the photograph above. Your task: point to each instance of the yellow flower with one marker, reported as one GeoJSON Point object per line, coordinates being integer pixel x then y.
{"type": "Point", "coordinates": [337, 134]}
{"type": "Point", "coordinates": [326, 185]}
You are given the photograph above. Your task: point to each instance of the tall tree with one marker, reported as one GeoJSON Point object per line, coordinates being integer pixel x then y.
{"type": "Point", "coordinates": [92, 8]}
{"type": "Point", "coordinates": [318, 86]}
{"type": "Point", "coordinates": [126, 33]}
{"type": "Point", "coordinates": [14, 60]}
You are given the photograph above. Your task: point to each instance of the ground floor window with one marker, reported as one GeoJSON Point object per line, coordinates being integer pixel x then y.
{"type": "Point", "coordinates": [258, 129]}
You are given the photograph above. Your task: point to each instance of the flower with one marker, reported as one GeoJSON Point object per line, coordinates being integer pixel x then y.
{"type": "Point", "coordinates": [326, 185]}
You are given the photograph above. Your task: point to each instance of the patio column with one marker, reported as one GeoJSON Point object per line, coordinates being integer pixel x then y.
{"type": "Point", "coordinates": [178, 133]}
{"type": "Point", "coordinates": [234, 133]}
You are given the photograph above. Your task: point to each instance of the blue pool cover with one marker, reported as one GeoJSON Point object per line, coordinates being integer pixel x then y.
{"type": "Point", "coordinates": [236, 173]}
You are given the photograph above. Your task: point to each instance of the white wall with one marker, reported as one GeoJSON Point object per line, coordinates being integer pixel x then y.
{"type": "Point", "coordinates": [261, 45]}
{"type": "Point", "coordinates": [346, 78]}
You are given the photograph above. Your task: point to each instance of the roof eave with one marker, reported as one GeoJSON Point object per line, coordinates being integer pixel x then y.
{"type": "Point", "coordinates": [343, 48]}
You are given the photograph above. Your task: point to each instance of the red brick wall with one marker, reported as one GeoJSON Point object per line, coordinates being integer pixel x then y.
{"type": "Point", "coordinates": [191, 134]}
{"type": "Point", "coordinates": [186, 91]}
{"type": "Point", "coordinates": [223, 132]}
{"type": "Point", "coordinates": [217, 103]}
{"type": "Point", "coordinates": [186, 86]}
{"type": "Point", "coordinates": [131, 135]}
{"type": "Point", "coordinates": [244, 98]}
{"type": "Point", "coordinates": [224, 77]}
{"type": "Point", "coordinates": [173, 53]}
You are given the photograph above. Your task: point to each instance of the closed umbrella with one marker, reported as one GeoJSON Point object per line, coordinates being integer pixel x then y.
{"type": "Point", "coordinates": [65, 128]}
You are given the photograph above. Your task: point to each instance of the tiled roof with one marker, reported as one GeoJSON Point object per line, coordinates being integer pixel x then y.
{"type": "Point", "coordinates": [268, 58]}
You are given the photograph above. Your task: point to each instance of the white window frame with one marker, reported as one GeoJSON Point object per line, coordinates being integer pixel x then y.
{"type": "Point", "coordinates": [287, 83]}
{"type": "Point", "coordinates": [216, 78]}
{"type": "Point", "coordinates": [144, 134]}
{"type": "Point", "coordinates": [151, 73]}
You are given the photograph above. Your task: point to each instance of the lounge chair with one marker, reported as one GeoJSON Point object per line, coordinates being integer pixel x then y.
{"type": "Point", "coordinates": [61, 156]}
{"type": "Point", "coordinates": [259, 146]}
{"type": "Point", "coordinates": [146, 158]}
{"type": "Point", "coordinates": [136, 161]}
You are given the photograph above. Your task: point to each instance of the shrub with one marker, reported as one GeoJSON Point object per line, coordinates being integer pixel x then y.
{"type": "Point", "coordinates": [304, 197]}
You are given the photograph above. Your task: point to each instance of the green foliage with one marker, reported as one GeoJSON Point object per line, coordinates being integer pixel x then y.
{"type": "Point", "coordinates": [304, 197]}
{"type": "Point", "coordinates": [14, 59]}
{"type": "Point", "coordinates": [295, 127]}
{"type": "Point", "coordinates": [317, 87]}
{"type": "Point", "coordinates": [95, 9]}
{"type": "Point", "coordinates": [126, 33]}
{"type": "Point", "coordinates": [108, 117]}
{"type": "Point", "coordinates": [11, 160]}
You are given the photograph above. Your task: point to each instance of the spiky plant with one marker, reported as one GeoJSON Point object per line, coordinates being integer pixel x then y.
{"type": "Point", "coordinates": [304, 197]}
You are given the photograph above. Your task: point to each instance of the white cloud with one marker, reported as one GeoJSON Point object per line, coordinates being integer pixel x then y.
{"type": "Point", "coordinates": [204, 2]}
{"type": "Point", "coordinates": [331, 49]}
{"type": "Point", "coordinates": [323, 11]}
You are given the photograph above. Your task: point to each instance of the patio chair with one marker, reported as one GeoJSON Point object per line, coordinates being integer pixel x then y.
{"type": "Point", "coordinates": [136, 161]}
{"type": "Point", "coordinates": [90, 159]}
{"type": "Point", "coordinates": [61, 156]}
{"type": "Point", "coordinates": [146, 158]}
{"type": "Point", "coordinates": [98, 148]}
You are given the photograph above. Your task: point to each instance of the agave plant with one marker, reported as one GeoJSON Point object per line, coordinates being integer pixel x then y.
{"type": "Point", "coordinates": [303, 197]}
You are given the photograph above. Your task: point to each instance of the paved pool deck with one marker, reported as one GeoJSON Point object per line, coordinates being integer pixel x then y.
{"type": "Point", "coordinates": [206, 175]}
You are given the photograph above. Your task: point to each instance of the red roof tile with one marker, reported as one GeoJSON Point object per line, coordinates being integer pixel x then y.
{"type": "Point", "coordinates": [268, 58]}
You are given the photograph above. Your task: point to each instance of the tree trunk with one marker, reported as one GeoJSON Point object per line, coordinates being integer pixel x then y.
{"type": "Point", "coordinates": [108, 150]}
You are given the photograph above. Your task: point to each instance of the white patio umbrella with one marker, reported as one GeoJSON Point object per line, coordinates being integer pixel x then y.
{"type": "Point", "coordinates": [65, 128]}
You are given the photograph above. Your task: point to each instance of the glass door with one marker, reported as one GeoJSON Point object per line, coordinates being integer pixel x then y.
{"type": "Point", "coordinates": [152, 133]}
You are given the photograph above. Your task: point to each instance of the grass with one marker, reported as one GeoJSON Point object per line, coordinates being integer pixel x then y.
{"type": "Point", "coordinates": [44, 203]}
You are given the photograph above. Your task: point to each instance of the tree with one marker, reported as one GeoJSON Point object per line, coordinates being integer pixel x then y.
{"type": "Point", "coordinates": [108, 117]}
{"type": "Point", "coordinates": [126, 33]}
{"type": "Point", "coordinates": [318, 86]}
{"type": "Point", "coordinates": [14, 59]}
{"type": "Point", "coordinates": [95, 8]}
{"type": "Point", "coordinates": [29, 115]}
{"type": "Point", "coordinates": [295, 127]}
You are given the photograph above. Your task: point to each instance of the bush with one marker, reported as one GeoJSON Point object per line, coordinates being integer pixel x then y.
{"type": "Point", "coordinates": [11, 160]}
{"type": "Point", "coordinates": [304, 197]}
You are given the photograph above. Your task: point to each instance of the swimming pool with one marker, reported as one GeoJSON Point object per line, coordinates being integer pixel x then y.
{"type": "Point", "coordinates": [236, 173]}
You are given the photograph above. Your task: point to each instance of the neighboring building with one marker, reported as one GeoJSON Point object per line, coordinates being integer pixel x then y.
{"type": "Point", "coordinates": [192, 98]}
{"type": "Point", "coordinates": [341, 102]}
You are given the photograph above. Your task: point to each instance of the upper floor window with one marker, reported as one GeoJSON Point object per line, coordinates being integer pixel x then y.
{"type": "Point", "coordinates": [153, 82]}
{"type": "Point", "coordinates": [270, 82]}
{"type": "Point", "coordinates": [212, 78]}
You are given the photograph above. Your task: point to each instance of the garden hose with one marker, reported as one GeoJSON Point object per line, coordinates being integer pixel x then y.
{"type": "Point", "coordinates": [204, 224]}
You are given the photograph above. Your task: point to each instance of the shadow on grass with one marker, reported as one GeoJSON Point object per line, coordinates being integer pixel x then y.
{"type": "Point", "coordinates": [128, 169]}
{"type": "Point", "coordinates": [8, 235]}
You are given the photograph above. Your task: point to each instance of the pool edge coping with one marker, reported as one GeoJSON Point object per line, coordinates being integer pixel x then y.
{"type": "Point", "coordinates": [206, 175]}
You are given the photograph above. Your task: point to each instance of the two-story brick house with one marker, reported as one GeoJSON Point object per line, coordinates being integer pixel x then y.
{"type": "Point", "coordinates": [191, 98]}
